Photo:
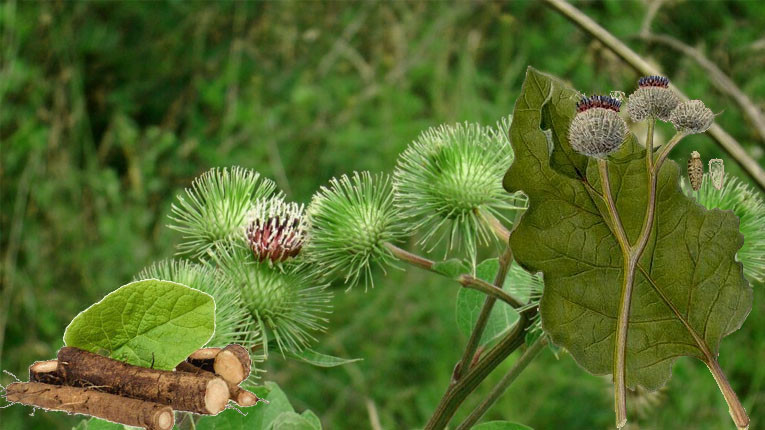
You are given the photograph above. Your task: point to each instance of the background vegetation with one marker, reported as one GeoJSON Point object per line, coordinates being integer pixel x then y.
{"type": "Point", "coordinates": [109, 109]}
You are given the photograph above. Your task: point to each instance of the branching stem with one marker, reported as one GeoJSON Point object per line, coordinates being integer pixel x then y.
{"type": "Point", "coordinates": [457, 392]}
{"type": "Point", "coordinates": [483, 317]}
{"type": "Point", "coordinates": [466, 280]}
{"type": "Point", "coordinates": [519, 366]}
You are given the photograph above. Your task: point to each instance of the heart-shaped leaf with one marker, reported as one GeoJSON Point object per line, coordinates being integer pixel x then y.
{"type": "Point", "coordinates": [689, 290]}
{"type": "Point", "coordinates": [146, 323]}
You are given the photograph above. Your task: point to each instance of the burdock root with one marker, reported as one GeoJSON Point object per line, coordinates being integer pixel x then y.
{"type": "Point", "coordinates": [239, 395]}
{"type": "Point", "coordinates": [233, 363]}
{"type": "Point", "coordinates": [132, 412]}
{"type": "Point", "coordinates": [198, 393]}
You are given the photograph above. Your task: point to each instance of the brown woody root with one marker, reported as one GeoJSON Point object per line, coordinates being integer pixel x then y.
{"type": "Point", "coordinates": [198, 393]}
{"type": "Point", "coordinates": [238, 394]}
{"type": "Point", "coordinates": [233, 363]}
{"type": "Point", "coordinates": [132, 412]}
{"type": "Point", "coordinates": [204, 358]}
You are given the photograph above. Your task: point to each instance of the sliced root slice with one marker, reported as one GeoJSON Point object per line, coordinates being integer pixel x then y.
{"type": "Point", "coordinates": [233, 363]}
{"type": "Point", "coordinates": [87, 401]}
{"type": "Point", "coordinates": [198, 393]}
{"type": "Point", "coordinates": [239, 395]}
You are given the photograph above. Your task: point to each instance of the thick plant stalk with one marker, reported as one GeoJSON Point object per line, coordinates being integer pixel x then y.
{"type": "Point", "coordinates": [201, 394]}
{"type": "Point", "coordinates": [457, 393]}
{"type": "Point", "coordinates": [237, 394]}
{"type": "Point", "coordinates": [132, 412]}
{"type": "Point", "coordinates": [519, 366]}
{"type": "Point", "coordinates": [622, 321]}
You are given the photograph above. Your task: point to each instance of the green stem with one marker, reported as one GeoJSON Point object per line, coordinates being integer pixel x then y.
{"type": "Point", "coordinates": [519, 366]}
{"type": "Point", "coordinates": [620, 342]}
{"type": "Point", "coordinates": [499, 229]}
{"type": "Point", "coordinates": [466, 280]}
{"type": "Point", "coordinates": [491, 290]}
{"type": "Point", "coordinates": [457, 392]}
{"type": "Point", "coordinates": [483, 317]}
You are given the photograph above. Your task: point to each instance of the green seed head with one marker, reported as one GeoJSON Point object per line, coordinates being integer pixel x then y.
{"type": "Point", "coordinates": [692, 117]}
{"type": "Point", "coordinates": [289, 304]}
{"type": "Point", "coordinates": [215, 208]}
{"type": "Point", "coordinates": [232, 321]}
{"type": "Point", "coordinates": [349, 223]}
{"type": "Point", "coordinates": [451, 177]}
{"type": "Point", "coordinates": [748, 204]}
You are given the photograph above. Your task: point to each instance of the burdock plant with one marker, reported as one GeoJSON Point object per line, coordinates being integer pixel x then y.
{"type": "Point", "coordinates": [350, 222]}
{"type": "Point", "coordinates": [448, 183]}
{"type": "Point", "coordinates": [215, 208]}
{"type": "Point", "coordinates": [609, 260]}
{"type": "Point", "coordinates": [288, 305]}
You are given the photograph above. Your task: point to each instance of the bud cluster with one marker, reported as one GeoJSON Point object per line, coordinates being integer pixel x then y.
{"type": "Point", "coordinates": [597, 130]}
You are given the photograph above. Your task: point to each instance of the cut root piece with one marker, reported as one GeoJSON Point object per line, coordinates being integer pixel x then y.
{"type": "Point", "coordinates": [204, 358]}
{"type": "Point", "coordinates": [201, 393]}
{"type": "Point", "coordinates": [239, 395]}
{"type": "Point", "coordinates": [233, 363]}
{"type": "Point", "coordinates": [45, 372]}
{"type": "Point", "coordinates": [132, 412]}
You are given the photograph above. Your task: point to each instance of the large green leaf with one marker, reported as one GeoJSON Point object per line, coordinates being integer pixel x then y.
{"type": "Point", "coordinates": [689, 291]}
{"type": "Point", "coordinates": [146, 323]}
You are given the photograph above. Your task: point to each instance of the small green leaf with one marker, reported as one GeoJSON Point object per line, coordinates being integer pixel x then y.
{"type": "Point", "coordinates": [145, 323]}
{"type": "Point", "coordinates": [312, 418]}
{"type": "Point", "coordinates": [293, 421]}
{"type": "Point", "coordinates": [320, 360]}
{"type": "Point", "coordinates": [501, 425]}
{"type": "Point", "coordinates": [260, 416]}
{"type": "Point", "coordinates": [451, 268]}
{"type": "Point", "coordinates": [470, 302]}
{"type": "Point", "coordinates": [97, 424]}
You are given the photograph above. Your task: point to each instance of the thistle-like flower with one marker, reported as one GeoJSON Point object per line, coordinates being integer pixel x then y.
{"type": "Point", "coordinates": [692, 117]}
{"type": "Point", "coordinates": [652, 99]}
{"type": "Point", "coordinates": [232, 321]}
{"type": "Point", "coordinates": [288, 305]}
{"type": "Point", "coordinates": [349, 224]}
{"type": "Point", "coordinates": [748, 204]}
{"type": "Point", "coordinates": [275, 230]}
{"type": "Point", "coordinates": [215, 208]}
{"type": "Point", "coordinates": [449, 182]}
{"type": "Point", "coordinates": [597, 130]}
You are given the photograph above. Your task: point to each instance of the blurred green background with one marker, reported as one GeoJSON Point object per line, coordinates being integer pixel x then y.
{"type": "Point", "coordinates": [108, 109]}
